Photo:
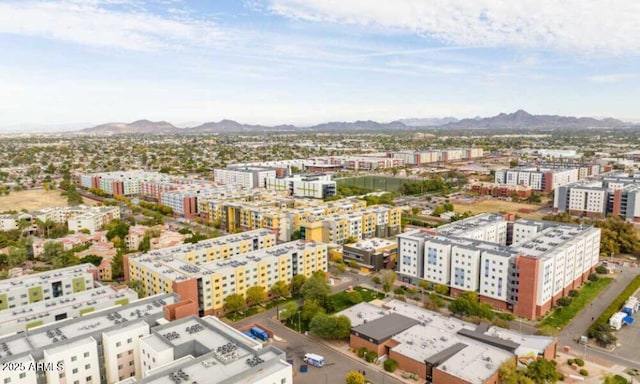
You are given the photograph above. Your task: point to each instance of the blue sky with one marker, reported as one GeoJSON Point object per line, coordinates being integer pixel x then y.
{"type": "Point", "coordinates": [74, 63]}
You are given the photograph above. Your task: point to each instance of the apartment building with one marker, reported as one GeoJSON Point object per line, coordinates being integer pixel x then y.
{"type": "Point", "coordinates": [58, 215]}
{"type": "Point", "coordinates": [206, 350]}
{"type": "Point", "coordinates": [68, 242]}
{"type": "Point", "coordinates": [87, 349]}
{"type": "Point", "coordinates": [523, 266]}
{"type": "Point", "coordinates": [245, 177]}
{"type": "Point", "coordinates": [539, 179]}
{"type": "Point", "coordinates": [374, 221]}
{"type": "Point", "coordinates": [94, 219]}
{"type": "Point", "coordinates": [70, 306]}
{"type": "Point", "coordinates": [364, 163]}
{"type": "Point", "coordinates": [209, 283]}
{"type": "Point", "coordinates": [121, 183]}
{"type": "Point", "coordinates": [617, 194]}
{"type": "Point", "coordinates": [317, 186]}
{"type": "Point", "coordinates": [585, 170]}
{"type": "Point", "coordinates": [21, 291]}
{"type": "Point", "coordinates": [438, 348]}
{"type": "Point", "coordinates": [371, 254]}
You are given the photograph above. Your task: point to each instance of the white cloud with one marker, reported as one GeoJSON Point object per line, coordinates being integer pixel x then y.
{"type": "Point", "coordinates": [611, 77]}
{"type": "Point", "coordinates": [594, 26]}
{"type": "Point", "coordinates": [89, 23]}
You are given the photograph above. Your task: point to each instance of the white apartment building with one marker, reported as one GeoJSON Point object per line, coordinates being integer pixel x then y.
{"type": "Point", "coordinates": [206, 350]}
{"type": "Point", "coordinates": [79, 359]}
{"type": "Point", "coordinates": [543, 263]}
{"type": "Point", "coordinates": [85, 347]}
{"type": "Point", "coordinates": [538, 179]}
{"type": "Point", "coordinates": [245, 177]}
{"type": "Point", "coordinates": [315, 186]}
{"type": "Point", "coordinates": [21, 291]}
{"type": "Point", "coordinates": [94, 219]}
{"type": "Point", "coordinates": [65, 307]}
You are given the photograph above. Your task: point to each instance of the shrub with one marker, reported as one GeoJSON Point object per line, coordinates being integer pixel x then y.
{"type": "Point", "coordinates": [399, 291]}
{"type": "Point", "coordinates": [564, 301]}
{"type": "Point", "coordinates": [593, 277]}
{"type": "Point", "coordinates": [601, 270]}
{"type": "Point", "coordinates": [390, 365]}
{"type": "Point", "coordinates": [583, 372]}
{"type": "Point", "coordinates": [371, 357]}
{"type": "Point", "coordinates": [401, 298]}
{"type": "Point", "coordinates": [506, 316]}
{"type": "Point", "coordinates": [579, 362]}
{"type": "Point", "coordinates": [573, 293]}
{"type": "Point", "coordinates": [376, 280]}
{"type": "Point", "coordinates": [561, 376]}
{"type": "Point", "coordinates": [570, 361]}
{"type": "Point", "coordinates": [502, 323]}
{"type": "Point", "coordinates": [361, 352]}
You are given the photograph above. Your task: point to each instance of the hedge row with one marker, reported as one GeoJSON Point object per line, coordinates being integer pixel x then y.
{"type": "Point", "coordinates": [615, 305]}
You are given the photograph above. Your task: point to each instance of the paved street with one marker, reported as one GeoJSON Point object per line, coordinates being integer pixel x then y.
{"type": "Point", "coordinates": [582, 322]}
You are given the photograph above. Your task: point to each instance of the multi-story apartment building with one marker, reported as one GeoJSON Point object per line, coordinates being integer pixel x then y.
{"type": "Point", "coordinates": [193, 350]}
{"type": "Point", "coordinates": [94, 219]}
{"type": "Point", "coordinates": [584, 169]}
{"type": "Point", "coordinates": [539, 179]}
{"type": "Point", "coordinates": [68, 242]}
{"type": "Point", "coordinates": [66, 307]}
{"type": "Point", "coordinates": [617, 194]}
{"type": "Point", "coordinates": [98, 347]}
{"type": "Point", "coordinates": [57, 215]}
{"type": "Point", "coordinates": [19, 292]}
{"type": "Point", "coordinates": [371, 254]}
{"type": "Point", "coordinates": [245, 177]}
{"type": "Point", "coordinates": [364, 163]}
{"type": "Point", "coordinates": [375, 221]}
{"type": "Point", "coordinates": [539, 263]}
{"type": "Point", "coordinates": [208, 283]}
{"type": "Point", "coordinates": [317, 186]}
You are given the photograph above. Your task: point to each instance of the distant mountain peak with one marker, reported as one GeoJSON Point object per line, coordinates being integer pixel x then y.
{"type": "Point", "coordinates": [522, 119]}
{"type": "Point", "coordinates": [137, 127]}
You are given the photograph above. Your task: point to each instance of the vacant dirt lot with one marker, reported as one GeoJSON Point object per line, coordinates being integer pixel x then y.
{"type": "Point", "coordinates": [499, 206]}
{"type": "Point", "coordinates": [33, 200]}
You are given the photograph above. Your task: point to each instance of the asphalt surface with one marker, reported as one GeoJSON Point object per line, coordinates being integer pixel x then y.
{"type": "Point", "coordinates": [580, 324]}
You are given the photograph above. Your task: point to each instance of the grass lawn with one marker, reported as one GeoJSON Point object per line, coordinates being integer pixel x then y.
{"type": "Point", "coordinates": [560, 317]}
{"type": "Point", "coordinates": [340, 302]}
{"type": "Point", "coordinates": [259, 309]}
{"type": "Point", "coordinates": [34, 199]}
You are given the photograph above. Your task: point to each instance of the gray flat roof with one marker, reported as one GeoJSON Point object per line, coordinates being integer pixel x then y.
{"type": "Point", "coordinates": [385, 327]}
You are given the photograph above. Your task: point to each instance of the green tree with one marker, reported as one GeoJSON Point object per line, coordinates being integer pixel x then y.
{"type": "Point", "coordinates": [542, 371]}
{"type": "Point", "coordinates": [296, 235]}
{"type": "Point", "coordinates": [310, 309]}
{"type": "Point", "coordinates": [93, 259]}
{"type": "Point", "coordinates": [316, 288]}
{"type": "Point", "coordinates": [256, 295]}
{"type": "Point", "coordinates": [16, 256]}
{"type": "Point", "coordinates": [441, 289]}
{"type": "Point", "coordinates": [117, 228]}
{"type": "Point", "coordinates": [281, 289]}
{"type": "Point", "coordinates": [52, 249]}
{"type": "Point", "coordinates": [388, 277]}
{"type": "Point", "coordinates": [289, 310]}
{"type": "Point", "coordinates": [117, 265]}
{"type": "Point", "coordinates": [145, 244]}
{"type": "Point", "coordinates": [353, 297]}
{"type": "Point", "coordinates": [297, 282]}
{"type": "Point", "coordinates": [354, 377]}
{"type": "Point", "coordinates": [65, 259]}
{"type": "Point", "coordinates": [234, 303]}
{"type": "Point", "coordinates": [330, 327]}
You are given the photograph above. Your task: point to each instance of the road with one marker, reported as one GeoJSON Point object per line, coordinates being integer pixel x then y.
{"type": "Point", "coordinates": [581, 323]}
{"type": "Point", "coordinates": [337, 365]}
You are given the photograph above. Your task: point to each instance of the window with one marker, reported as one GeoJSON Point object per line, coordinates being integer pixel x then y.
{"type": "Point", "coordinates": [74, 358]}
{"type": "Point", "coordinates": [75, 370]}
{"type": "Point", "coordinates": [118, 344]}
{"type": "Point", "coordinates": [86, 354]}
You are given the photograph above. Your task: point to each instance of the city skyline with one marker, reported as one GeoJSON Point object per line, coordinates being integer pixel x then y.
{"type": "Point", "coordinates": [81, 63]}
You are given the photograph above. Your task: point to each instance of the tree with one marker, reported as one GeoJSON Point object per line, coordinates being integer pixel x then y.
{"type": "Point", "coordinates": [388, 277]}
{"type": "Point", "coordinates": [441, 289]}
{"type": "Point", "coordinates": [93, 259]}
{"type": "Point", "coordinates": [280, 289]}
{"type": "Point", "coordinates": [297, 282]}
{"type": "Point", "coordinates": [603, 334]}
{"type": "Point", "coordinates": [16, 256]}
{"type": "Point", "coordinates": [354, 377]}
{"type": "Point", "coordinates": [542, 371]}
{"type": "Point", "coordinates": [289, 311]}
{"type": "Point", "coordinates": [145, 244]}
{"type": "Point", "coordinates": [330, 327]}
{"type": "Point", "coordinates": [73, 196]}
{"type": "Point", "coordinates": [52, 249]}
{"type": "Point", "coordinates": [65, 259]}
{"type": "Point", "coordinates": [564, 301]}
{"type": "Point", "coordinates": [390, 365]}
{"type": "Point", "coordinates": [256, 295]}
{"type": "Point", "coordinates": [117, 228]}
{"type": "Point", "coordinates": [601, 270]}
{"type": "Point", "coordinates": [353, 297]}
{"type": "Point", "coordinates": [117, 266]}
{"type": "Point", "coordinates": [310, 309]}
{"type": "Point", "coordinates": [196, 237]}
{"type": "Point", "coordinates": [316, 288]}
{"type": "Point", "coordinates": [467, 305]}
{"type": "Point", "coordinates": [295, 235]}
{"type": "Point", "coordinates": [234, 303]}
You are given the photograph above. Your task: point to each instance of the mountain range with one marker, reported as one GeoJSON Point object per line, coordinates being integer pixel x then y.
{"type": "Point", "coordinates": [519, 120]}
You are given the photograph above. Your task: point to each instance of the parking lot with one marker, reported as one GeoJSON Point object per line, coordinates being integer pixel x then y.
{"type": "Point", "coordinates": [629, 339]}
{"type": "Point", "coordinates": [337, 365]}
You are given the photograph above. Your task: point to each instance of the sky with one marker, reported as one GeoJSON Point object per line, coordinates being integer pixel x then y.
{"type": "Point", "coordinates": [77, 63]}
